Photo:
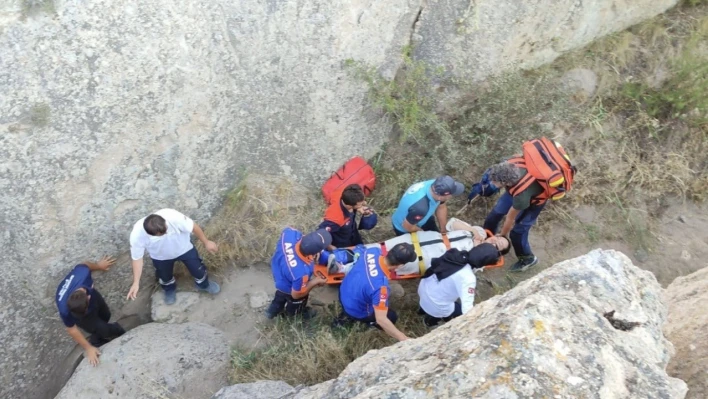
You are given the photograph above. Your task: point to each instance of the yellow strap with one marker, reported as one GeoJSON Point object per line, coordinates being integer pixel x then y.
{"type": "Point", "coordinates": [418, 251]}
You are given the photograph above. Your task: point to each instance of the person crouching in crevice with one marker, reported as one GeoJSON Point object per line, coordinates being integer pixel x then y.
{"type": "Point", "coordinates": [451, 277]}
{"type": "Point", "coordinates": [293, 265]}
{"type": "Point", "coordinates": [80, 305]}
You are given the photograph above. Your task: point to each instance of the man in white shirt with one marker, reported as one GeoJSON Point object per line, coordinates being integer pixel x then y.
{"type": "Point", "coordinates": [165, 236]}
{"type": "Point", "coordinates": [451, 277]}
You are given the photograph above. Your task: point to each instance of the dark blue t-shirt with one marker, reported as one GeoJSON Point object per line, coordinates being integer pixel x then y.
{"type": "Point", "coordinates": [291, 269]}
{"type": "Point", "coordinates": [79, 277]}
{"type": "Point", "coordinates": [365, 287]}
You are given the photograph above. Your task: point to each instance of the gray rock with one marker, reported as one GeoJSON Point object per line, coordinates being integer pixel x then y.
{"type": "Point", "coordinates": [254, 390]}
{"type": "Point", "coordinates": [397, 290]}
{"type": "Point", "coordinates": [477, 39]}
{"type": "Point", "coordinates": [111, 110]}
{"type": "Point", "coordinates": [547, 337]}
{"type": "Point", "coordinates": [156, 360]}
{"type": "Point", "coordinates": [258, 299]}
{"type": "Point", "coordinates": [175, 313]}
{"type": "Point", "coordinates": [581, 82]}
{"type": "Point", "coordinates": [686, 328]}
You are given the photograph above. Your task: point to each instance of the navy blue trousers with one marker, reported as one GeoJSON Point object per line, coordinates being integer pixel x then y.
{"type": "Point", "coordinates": [165, 269]}
{"type": "Point", "coordinates": [524, 221]}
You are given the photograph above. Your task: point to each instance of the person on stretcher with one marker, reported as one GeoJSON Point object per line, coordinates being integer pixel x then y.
{"type": "Point", "coordinates": [461, 235]}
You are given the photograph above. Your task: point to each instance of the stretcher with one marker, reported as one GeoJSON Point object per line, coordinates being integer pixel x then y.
{"type": "Point", "coordinates": [428, 245]}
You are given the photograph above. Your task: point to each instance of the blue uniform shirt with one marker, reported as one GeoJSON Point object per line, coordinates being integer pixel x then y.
{"type": "Point", "coordinates": [417, 206]}
{"type": "Point", "coordinates": [365, 287]}
{"type": "Point", "coordinates": [79, 277]}
{"type": "Point", "coordinates": [291, 269]}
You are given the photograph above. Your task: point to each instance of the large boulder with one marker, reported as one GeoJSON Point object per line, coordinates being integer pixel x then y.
{"type": "Point", "coordinates": [551, 336]}
{"type": "Point", "coordinates": [111, 110]}
{"type": "Point", "coordinates": [255, 390]}
{"type": "Point", "coordinates": [190, 360]}
{"type": "Point", "coordinates": [687, 329]}
{"type": "Point", "coordinates": [476, 39]}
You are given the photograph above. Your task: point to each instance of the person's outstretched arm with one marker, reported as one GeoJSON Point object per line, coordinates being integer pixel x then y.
{"type": "Point", "coordinates": [90, 352]}
{"type": "Point", "coordinates": [386, 324]}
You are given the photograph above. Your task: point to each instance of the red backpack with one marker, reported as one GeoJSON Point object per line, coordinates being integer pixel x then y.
{"type": "Point", "coordinates": [354, 171]}
{"type": "Point", "coordinates": [547, 164]}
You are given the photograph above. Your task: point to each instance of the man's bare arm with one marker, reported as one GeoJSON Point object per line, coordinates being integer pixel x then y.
{"type": "Point", "coordinates": [209, 245]}
{"type": "Point", "coordinates": [137, 265]}
{"type": "Point", "coordinates": [387, 325]}
{"type": "Point", "coordinates": [104, 264]}
{"type": "Point", "coordinates": [310, 285]}
{"type": "Point", "coordinates": [509, 222]}
{"type": "Point", "coordinates": [441, 215]}
{"type": "Point", "coordinates": [410, 227]}
{"type": "Point", "coordinates": [91, 351]}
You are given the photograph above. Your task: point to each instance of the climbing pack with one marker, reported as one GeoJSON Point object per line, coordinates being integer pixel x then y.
{"type": "Point", "coordinates": [354, 171]}
{"type": "Point", "coordinates": [547, 164]}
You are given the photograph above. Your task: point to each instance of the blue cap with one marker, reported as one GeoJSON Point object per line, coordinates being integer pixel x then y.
{"type": "Point", "coordinates": [446, 185]}
{"type": "Point", "coordinates": [315, 242]}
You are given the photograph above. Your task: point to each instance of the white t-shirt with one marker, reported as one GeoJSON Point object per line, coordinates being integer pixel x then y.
{"type": "Point", "coordinates": [174, 243]}
{"type": "Point", "coordinates": [438, 298]}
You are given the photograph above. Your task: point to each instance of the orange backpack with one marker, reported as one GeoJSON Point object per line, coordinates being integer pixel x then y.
{"type": "Point", "coordinates": [547, 164]}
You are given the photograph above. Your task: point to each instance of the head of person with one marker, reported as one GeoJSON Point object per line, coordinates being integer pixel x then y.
{"type": "Point", "coordinates": [400, 254]}
{"type": "Point", "coordinates": [502, 243]}
{"type": "Point", "coordinates": [313, 243]}
{"type": "Point", "coordinates": [504, 174]}
{"type": "Point", "coordinates": [78, 301]}
{"type": "Point", "coordinates": [155, 225]}
{"type": "Point", "coordinates": [445, 187]}
{"type": "Point", "coordinates": [353, 197]}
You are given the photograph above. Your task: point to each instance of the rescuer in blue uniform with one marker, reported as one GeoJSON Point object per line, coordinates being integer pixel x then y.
{"type": "Point", "coordinates": [365, 291]}
{"type": "Point", "coordinates": [422, 200]}
{"type": "Point", "coordinates": [340, 217]}
{"type": "Point", "coordinates": [292, 266]}
{"type": "Point", "coordinates": [81, 305]}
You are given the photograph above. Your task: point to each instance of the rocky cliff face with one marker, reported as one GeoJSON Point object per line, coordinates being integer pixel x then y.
{"type": "Point", "coordinates": [551, 336]}
{"type": "Point", "coordinates": [111, 110]}
{"type": "Point", "coordinates": [686, 328]}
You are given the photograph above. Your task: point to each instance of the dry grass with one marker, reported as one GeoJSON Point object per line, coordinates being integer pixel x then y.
{"type": "Point", "coordinates": [254, 213]}
{"type": "Point", "coordinates": [313, 352]}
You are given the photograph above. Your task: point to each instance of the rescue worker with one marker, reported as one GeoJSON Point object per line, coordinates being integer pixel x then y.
{"type": "Point", "coordinates": [451, 277]}
{"type": "Point", "coordinates": [80, 305]}
{"type": "Point", "coordinates": [292, 265]}
{"type": "Point", "coordinates": [340, 217]}
{"type": "Point", "coordinates": [365, 290]}
{"type": "Point", "coordinates": [421, 201]}
{"type": "Point", "coordinates": [521, 212]}
{"type": "Point", "coordinates": [165, 236]}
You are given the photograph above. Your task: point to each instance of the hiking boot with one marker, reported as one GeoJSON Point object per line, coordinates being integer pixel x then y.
{"type": "Point", "coordinates": [524, 263]}
{"type": "Point", "coordinates": [213, 288]}
{"type": "Point", "coordinates": [332, 264]}
{"type": "Point", "coordinates": [170, 297]}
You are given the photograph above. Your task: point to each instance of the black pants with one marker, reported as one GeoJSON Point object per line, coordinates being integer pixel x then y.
{"type": "Point", "coordinates": [96, 322]}
{"type": "Point", "coordinates": [283, 301]}
{"type": "Point", "coordinates": [344, 319]}
{"type": "Point", "coordinates": [430, 225]}
{"type": "Point", "coordinates": [431, 321]}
